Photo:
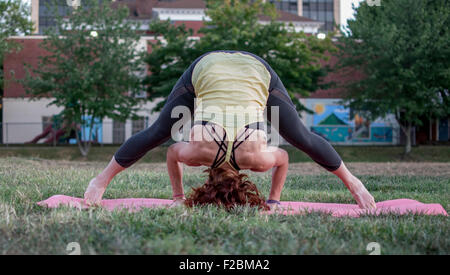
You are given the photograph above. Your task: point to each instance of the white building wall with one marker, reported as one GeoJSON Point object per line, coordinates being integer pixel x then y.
{"type": "Point", "coordinates": [22, 119]}
{"type": "Point", "coordinates": [107, 130]}
{"type": "Point", "coordinates": [181, 14]}
{"type": "Point", "coordinates": [306, 27]}
{"type": "Point", "coordinates": [199, 15]}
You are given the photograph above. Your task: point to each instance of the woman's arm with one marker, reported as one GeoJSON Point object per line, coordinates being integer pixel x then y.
{"type": "Point", "coordinates": [175, 168]}
{"type": "Point", "coordinates": [279, 173]}
{"type": "Point", "coordinates": [276, 159]}
{"type": "Point", "coordinates": [177, 154]}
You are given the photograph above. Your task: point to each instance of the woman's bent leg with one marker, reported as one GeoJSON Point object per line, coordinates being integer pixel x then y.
{"type": "Point", "coordinates": [159, 132]}
{"type": "Point", "coordinates": [292, 129]}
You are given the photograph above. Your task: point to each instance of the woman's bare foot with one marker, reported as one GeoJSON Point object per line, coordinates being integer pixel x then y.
{"type": "Point", "coordinates": [364, 199]}
{"type": "Point", "coordinates": [356, 188]}
{"type": "Point", "coordinates": [94, 192]}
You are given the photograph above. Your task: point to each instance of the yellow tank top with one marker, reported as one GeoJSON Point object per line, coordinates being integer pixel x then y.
{"type": "Point", "coordinates": [231, 90]}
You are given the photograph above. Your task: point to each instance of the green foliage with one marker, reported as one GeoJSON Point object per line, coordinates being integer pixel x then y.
{"type": "Point", "coordinates": [169, 59]}
{"type": "Point", "coordinates": [234, 26]}
{"type": "Point", "coordinates": [14, 20]}
{"type": "Point", "coordinates": [402, 48]}
{"type": "Point", "coordinates": [94, 76]}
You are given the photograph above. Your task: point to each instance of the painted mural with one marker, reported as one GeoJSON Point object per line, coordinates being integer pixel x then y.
{"type": "Point", "coordinates": [338, 124]}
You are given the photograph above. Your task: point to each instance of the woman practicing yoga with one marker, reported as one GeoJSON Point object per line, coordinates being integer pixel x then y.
{"type": "Point", "coordinates": [227, 93]}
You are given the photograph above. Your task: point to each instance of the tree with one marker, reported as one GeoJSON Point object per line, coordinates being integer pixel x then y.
{"type": "Point", "coordinates": [235, 25]}
{"type": "Point", "coordinates": [92, 69]}
{"type": "Point", "coordinates": [402, 49]}
{"type": "Point", "coordinates": [14, 20]}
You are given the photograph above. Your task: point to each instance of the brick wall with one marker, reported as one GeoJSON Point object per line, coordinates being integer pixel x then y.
{"type": "Point", "coordinates": [14, 65]}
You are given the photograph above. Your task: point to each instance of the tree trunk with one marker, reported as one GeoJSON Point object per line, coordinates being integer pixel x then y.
{"type": "Point", "coordinates": [83, 146]}
{"type": "Point", "coordinates": [407, 131]}
{"type": "Point", "coordinates": [80, 145]}
{"type": "Point", "coordinates": [54, 137]}
{"type": "Point", "coordinates": [408, 141]}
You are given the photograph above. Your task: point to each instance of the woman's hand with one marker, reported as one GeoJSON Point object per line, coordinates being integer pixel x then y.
{"type": "Point", "coordinates": [177, 202]}
{"type": "Point", "coordinates": [94, 192]}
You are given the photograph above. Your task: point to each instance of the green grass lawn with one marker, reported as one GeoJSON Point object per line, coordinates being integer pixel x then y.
{"type": "Point", "coordinates": [26, 228]}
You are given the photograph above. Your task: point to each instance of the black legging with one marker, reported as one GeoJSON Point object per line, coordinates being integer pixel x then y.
{"type": "Point", "coordinates": [291, 128]}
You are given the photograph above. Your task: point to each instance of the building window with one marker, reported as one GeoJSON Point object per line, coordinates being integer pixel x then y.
{"type": "Point", "coordinates": [142, 94]}
{"type": "Point", "coordinates": [47, 18]}
{"type": "Point", "coordinates": [286, 5]}
{"type": "Point", "coordinates": [118, 132]}
{"type": "Point", "coordinates": [138, 125]}
{"type": "Point", "coordinates": [46, 121]}
{"type": "Point", "coordinates": [320, 10]}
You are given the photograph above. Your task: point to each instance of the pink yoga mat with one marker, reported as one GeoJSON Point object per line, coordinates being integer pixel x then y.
{"type": "Point", "coordinates": [399, 206]}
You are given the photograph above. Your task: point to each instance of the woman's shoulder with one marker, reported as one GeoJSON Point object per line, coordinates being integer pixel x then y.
{"type": "Point", "coordinates": [258, 159]}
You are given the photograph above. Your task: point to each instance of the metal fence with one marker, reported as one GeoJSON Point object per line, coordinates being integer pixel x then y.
{"type": "Point", "coordinates": [43, 133]}
{"type": "Point", "coordinates": [106, 132]}
{"type": "Point", "coordinates": [115, 132]}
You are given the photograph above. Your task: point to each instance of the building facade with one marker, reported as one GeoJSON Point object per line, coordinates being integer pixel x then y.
{"type": "Point", "coordinates": [327, 12]}
{"type": "Point", "coordinates": [341, 125]}
{"type": "Point", "coordinates": [24, 119]}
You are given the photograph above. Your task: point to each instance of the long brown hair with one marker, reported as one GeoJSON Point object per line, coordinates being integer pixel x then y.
{"type": "Point", "coordinates": [226, 188]}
